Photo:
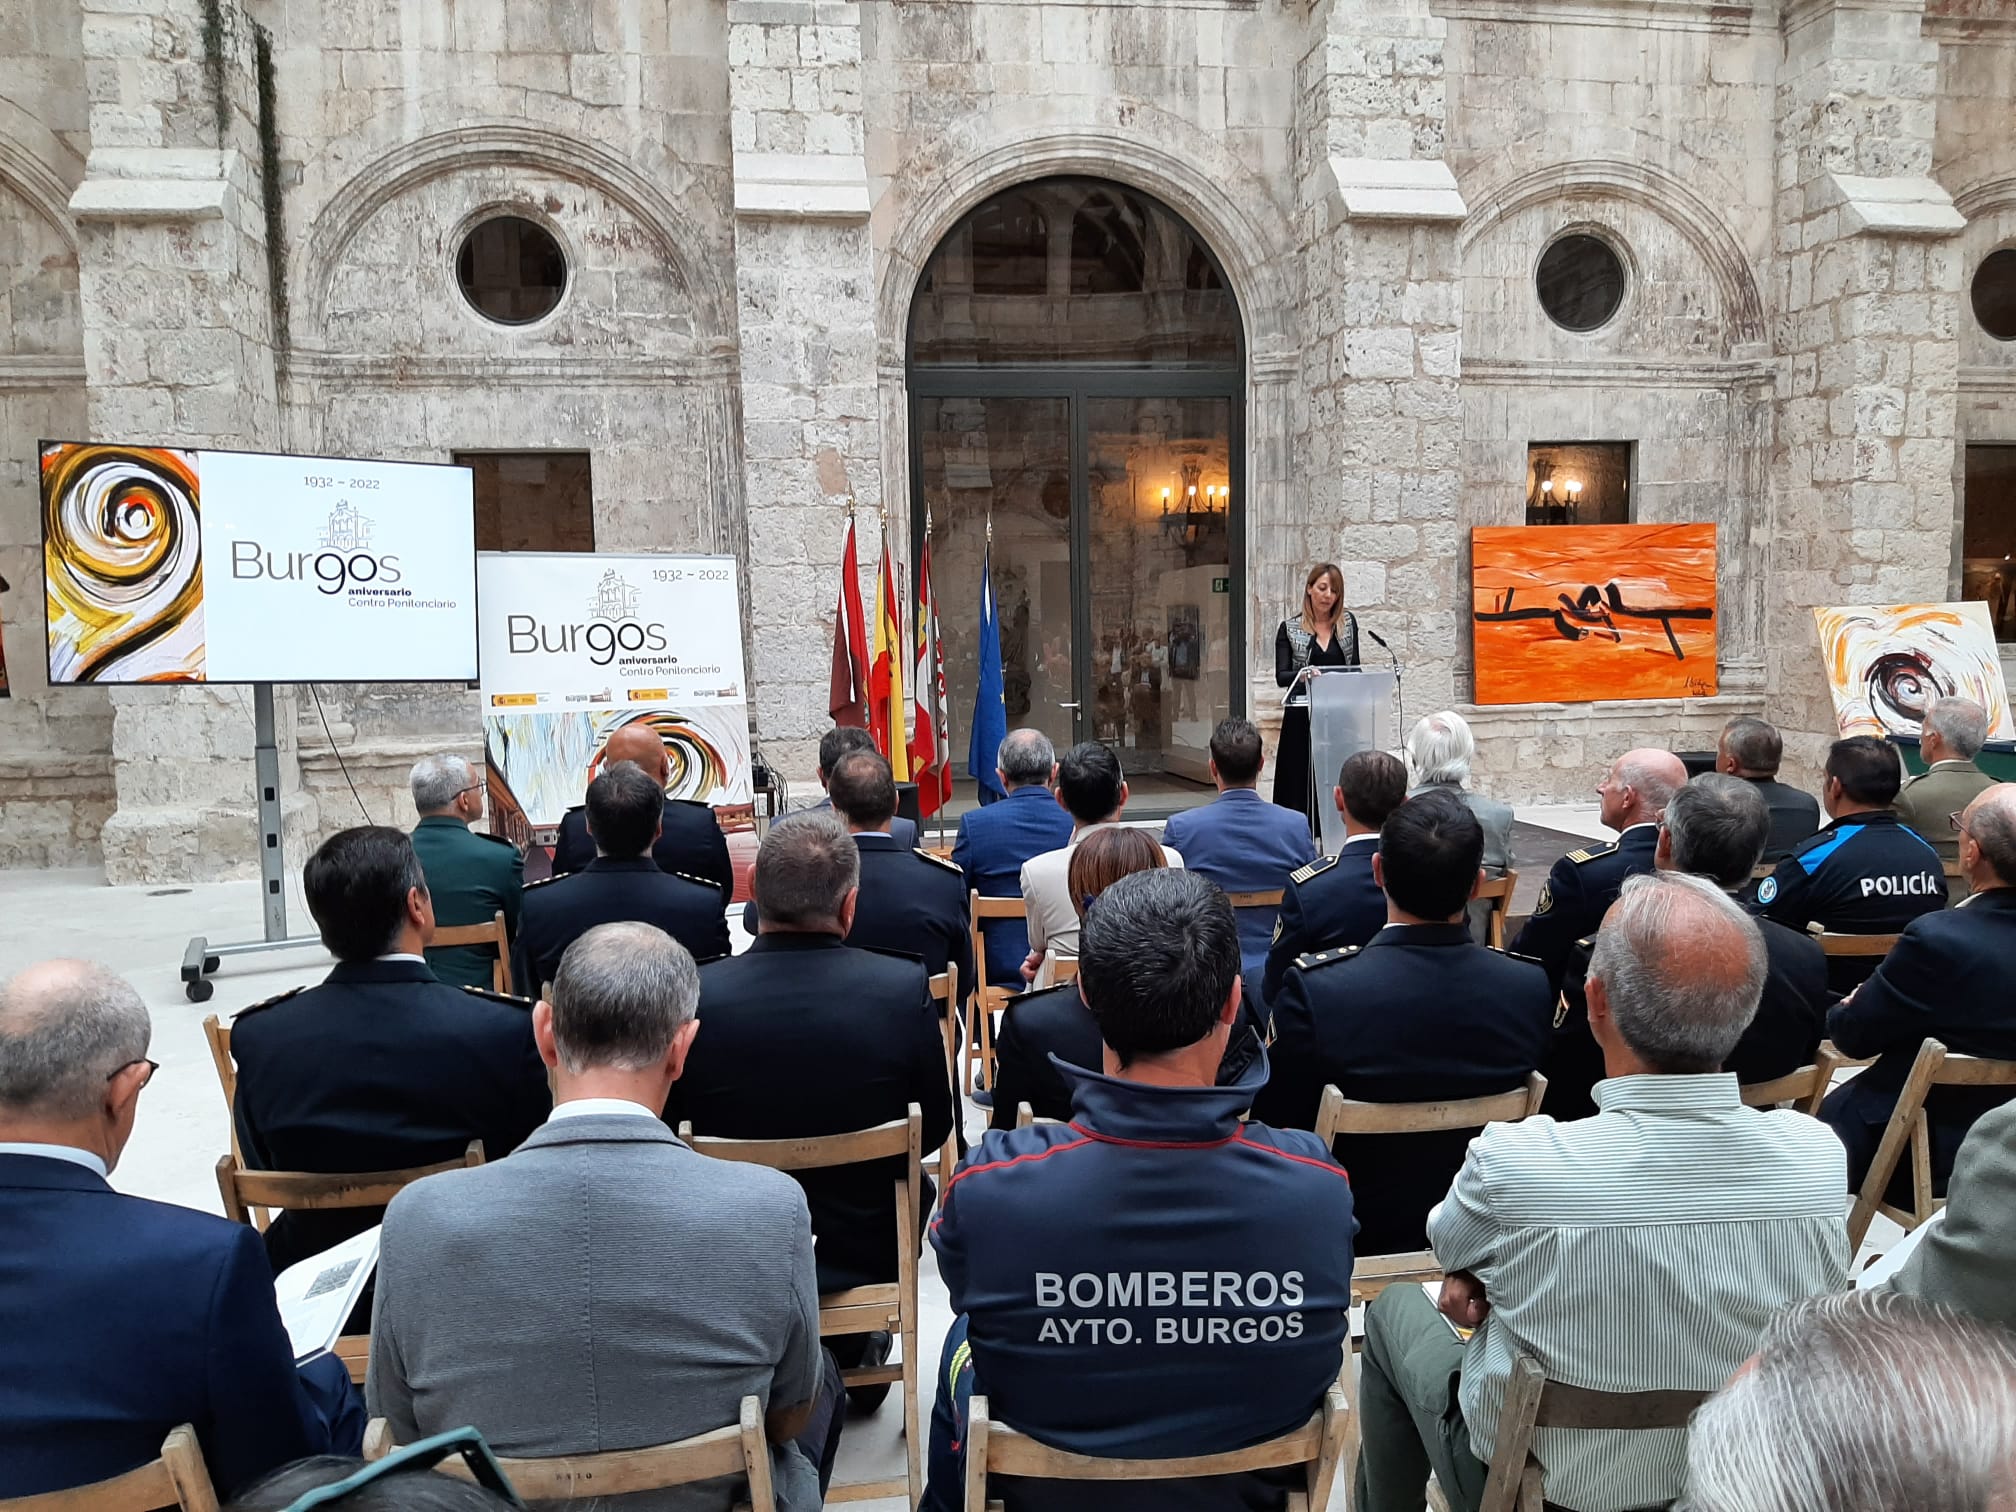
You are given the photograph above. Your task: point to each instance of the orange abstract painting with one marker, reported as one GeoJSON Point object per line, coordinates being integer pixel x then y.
{"type": "Point", "coordinates": [1574, 613]}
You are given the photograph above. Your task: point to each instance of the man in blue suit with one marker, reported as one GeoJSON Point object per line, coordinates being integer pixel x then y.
{"type": "Point", "coordinates": [994, 842]}
{"type": "Point", "coordinates": [126, 1318]}
{"type": "Point", "coordinates": [1239, 840]}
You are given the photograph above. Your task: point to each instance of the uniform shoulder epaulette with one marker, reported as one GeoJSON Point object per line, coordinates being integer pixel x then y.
{"type": "Point", "coordinates": [936, 860]}
{"type": "Point", "coordinates": [510, 1000]}
{"type": "Point", "coordinates": [269, 1002]}
{"type": "Point", "coordinates": [1513, 955]}
{"type": "Point", "coordinates": [689, 877]}
{"type": "Point", "coordinates": [544, 881]}
{"type": "Point", "coordinates": [1314, 869]}
{"type": "Point", "coordinates": [499, 839]}
{"type": "Point", "coordinates": [1591, 852]}
{"type": "Point", "coordinates": [1327, 957]}
{"type": "Point", "coordinates": [895, 955]}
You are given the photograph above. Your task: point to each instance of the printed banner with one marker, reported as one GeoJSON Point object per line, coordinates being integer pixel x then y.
{"type": "Point", "coordinates": [577, 646]}
{"type": "Point", "coordinates": [172, 566]}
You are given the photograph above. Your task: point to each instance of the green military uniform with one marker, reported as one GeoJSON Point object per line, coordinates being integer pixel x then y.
{"type": "Point", "coordinates": [470, 877]}
{"type": "Point", "coordinates": [1927, 802]}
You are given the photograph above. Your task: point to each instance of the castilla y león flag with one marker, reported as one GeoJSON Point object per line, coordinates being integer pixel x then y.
{"type": "Point", "coordinates": [847, 695]}
{"type": "Point", "coordinates": [931, 743]}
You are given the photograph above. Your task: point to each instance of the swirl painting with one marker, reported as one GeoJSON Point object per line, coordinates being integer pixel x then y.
{"type": "Point", "coordinates": [122, 562]}
{"type": "Point", "coordinates": [1887, 663]}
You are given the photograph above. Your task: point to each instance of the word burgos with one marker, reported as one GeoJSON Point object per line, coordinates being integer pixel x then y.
{"type": "Point", "coordinates": [333, 570]}
{"type": "Point", "coordinates": [602, 638]}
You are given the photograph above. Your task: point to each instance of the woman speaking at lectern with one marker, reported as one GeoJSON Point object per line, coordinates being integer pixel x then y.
{"type": "Point", "coordinates": [1326, 635]}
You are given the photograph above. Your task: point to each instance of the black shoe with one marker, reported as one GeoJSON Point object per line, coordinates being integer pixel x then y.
{"type": "Point", "coordinates": [865, 1399]}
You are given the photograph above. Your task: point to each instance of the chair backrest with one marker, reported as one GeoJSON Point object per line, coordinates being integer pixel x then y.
{"type": "Point", "coordinates": [1935, 1066]}
{"type": "Point", "coordinates": [492, 933]}
{"type": "Point", "coordinates": [178, 1478]}
{"type": "Point", "coordinates": [742, 1448]}
{"type": "Point", "coordinates": [217, 1034]}
{"type": "Point", "coordinates": [1855, 944]}
{"type": "Point", "coordinates": [1063, 969]}
{"type": "Point", "coordinates": [308, 1191]}
{"type": "Point", "coordinates": [1762, 870]}
{"type": "Point", "coordinates": [945, 993]}
{"type": "Point", "coordinates": [1339, 1114]}
{"type": "Point", "coordinates": [1497, 891]}
{"type": "Point", "coordinates": [1806, 1087]}
{"type": "Point", "coordinates": [1016, 907]}
{"type": "Point", "coordinates": [1516, 1481]}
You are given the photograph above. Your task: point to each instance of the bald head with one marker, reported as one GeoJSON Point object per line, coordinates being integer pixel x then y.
{"type": "Point", "coordinates": [1681, 968]}
{"type": "Point", "coordinates": [638, 742]}
{"type": "Point", "coordinates": [1988, 837]}
{"type": "Point", "coordinates": [1639, 786]}
{"type": "Point", "coordinates": [65, 1027]}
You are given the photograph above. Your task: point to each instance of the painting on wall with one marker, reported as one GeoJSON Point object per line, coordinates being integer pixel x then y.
{"type": "Point", "coordinates": [1574, 613]}
{"type": "Point", "coordinates": [1887, 663]}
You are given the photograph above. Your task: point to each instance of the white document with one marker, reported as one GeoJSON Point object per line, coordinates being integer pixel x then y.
{"type": "Point", "coordinates": [316, 1295]}
{"type": "Point", "coordinates": [1891, 1261]}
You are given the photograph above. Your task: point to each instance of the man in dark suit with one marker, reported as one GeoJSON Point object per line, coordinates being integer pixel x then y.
{"type": "Point", "coordinates": [1583, 884]}
{"type": "Point", "coordinates": [1239, 840]}
{"type": "Point", "coordinates": [470, 876]}
{"type": "Point", "coordinates": [691, 842]}
{"type": "Point", "coordinates": [621, 885]}
{"type": "Point", "coordinates": [1751, 749]}
{"type": "Point", "coordinates": [1950, 977]}
{"type": "Point", "coordinates": [911, 902]}
{"type": "Point", "coordinates": [1715, 827]}
{"type": "Point", "coordinates": [995, 840]}
{"type": "Point", "coordinates": [844, 740]}
{"type": "Point", "coordinates": [1335, 902]}
{"type": "Point", "coordinates": [383, 1065]}
{"type": "Point", "coordinates": [1422, 1013]}
{"type": "Point", "coordinates": [125, 1318]}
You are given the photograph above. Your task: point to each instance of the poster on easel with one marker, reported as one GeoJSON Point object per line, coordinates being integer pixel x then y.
{"type": "Point", "coordinates": [575, 646]}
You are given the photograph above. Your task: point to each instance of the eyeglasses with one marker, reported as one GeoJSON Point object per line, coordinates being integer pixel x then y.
{"type": "Point", "coordinates": [152, 1067]}
{"type": "Point", "coordinates": [425, 1455]}
{"type": "Point", "coordinates": [1954, 820]}
{"type": "Point", "coordinates": [474, 787]}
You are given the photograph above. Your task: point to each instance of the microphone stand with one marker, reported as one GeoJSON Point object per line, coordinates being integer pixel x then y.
{"type": "Point", "coordinates": [1399, 697]}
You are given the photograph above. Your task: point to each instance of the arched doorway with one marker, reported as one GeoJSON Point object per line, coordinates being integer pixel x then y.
{"type": "Point", "coordinates": [1077, 382]}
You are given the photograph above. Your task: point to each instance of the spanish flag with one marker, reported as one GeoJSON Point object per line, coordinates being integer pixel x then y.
{"type": "Point", "coordinates": [885, 673]}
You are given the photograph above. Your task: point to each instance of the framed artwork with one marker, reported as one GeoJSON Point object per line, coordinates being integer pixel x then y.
{"type": "Point", "coordinates": [1575, 613]}
{"type": "Point", "coordinates": [1887, 663]}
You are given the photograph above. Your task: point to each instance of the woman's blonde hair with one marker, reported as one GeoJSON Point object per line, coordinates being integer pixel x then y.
{"type": "Point", "coordinates": [1104, 857]}
{"type": "Point", "coordinates": [1336, 576]}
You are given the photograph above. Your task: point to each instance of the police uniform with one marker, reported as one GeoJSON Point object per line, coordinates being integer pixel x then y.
{"type": "Point", "coordinates": [1422, 1013]}
{"type": "Point", "coordinates": [690, 844]}
{"type": "Point", "coordinates": [470, 877]}
{"type": "Point", "coordinates": [1152, 1279]}
{"type": "Point", "coordinates": [1579, 890]}
{"type": "Point", "coordinates": [913, 903]}
{"type": "Point", "coordinates": [1865, 873]}
{"type": "Point", "coordinates": [559, 910]}
{"type": "Point", "coordinates": [1330, 903]}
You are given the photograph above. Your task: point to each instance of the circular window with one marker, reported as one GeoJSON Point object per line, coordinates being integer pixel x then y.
{"type": "Point", "coordinates": [511, 270]}
{"type": "Point", "coordinates": [1580, 281]}
{"type": "Point", "coordinates": [1995, 294]}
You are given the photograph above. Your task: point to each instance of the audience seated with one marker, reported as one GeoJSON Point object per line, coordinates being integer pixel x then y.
{"type": "Point", "coordinates": [606, 1288]}
{"type": "Point", "coordinates": [1863, 1402]}
{"type": "Point", "coordinates": [382, 1066]}
{"type": "Point", "coordinates": [1585, 882]}
{"type": "Point", "coordinates": [995, 839]}
{"type": "Point", "coordinates": [1239, 840]}
{"type": "Point", "coordinates": [471, 876]}
{"type": "Point", "coordinates": [1751, 749]}
{"type": "Point", "coordinates": [1645, 1248]}
{"type": "Point", "coordinates": [1966, 1260]}
{"type": "Point", "coordinates": [1155, 1278]}
{"type": "Point", "coordinates": [1421, 1013]}
{"type": "Point", "coordinates": [840, 741]}
{"type": "Point", "coordinates": [120, 1318]}
{"type": "Point", "coordinates": [691, 843]}
{"type": "Point", "coordinates": [1440, 750]}
{"type": "Point", "coordinates": [390, 1487]}
{"type": "Point", "coordinates": [1715, 827]}
{"type": "Point", "coordinates": [911, 902]}
{"type": "Point", "coordinates": [1335, 902]}
{"type": "Point", "coordinates": [1950, 977]}
{"type": "Point", "coordinates": [1091, 789]}
{"type": "Point", "coordinates": [1864, 872]}
{"type": "Point", "coordinates": [1951, 736]}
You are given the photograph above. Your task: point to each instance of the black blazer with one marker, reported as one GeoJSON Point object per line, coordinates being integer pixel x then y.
{"type": "Point", "coordinates": [913, 904]}
{"type": "Point", "coordinates": [1326, 904]}
{"type": "Point", "coordinates": [801, 1035]}
{"type": "Point", "coordinates": [559, 910]}
{"type": "Point", "coordinates": [692, 844]}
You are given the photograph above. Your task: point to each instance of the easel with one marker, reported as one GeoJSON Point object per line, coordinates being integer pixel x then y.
{"type": "Point", "coordinates": [200, 958]}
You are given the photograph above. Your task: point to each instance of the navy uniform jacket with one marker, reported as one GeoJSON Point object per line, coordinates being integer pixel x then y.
{"type": "Point", "coordinates": [993, 843]}
{"type": "Point", "coordinates": [1795, 816]}
{"type": "Point", "coordinates": [1952, 977]}
{"type": "Point", "coordinates": [470, 877]}
{"type": "Point", "coordinates": [1864, 873]}
{"type": "Point", "coordinates": [913, 904]}
{"type": "Point", "coordinates": [381, 1067]}
{"type": "Point", "coordinates": [1421, 1014]}
{"type": "Point", "coordinates": [559, 910]}
{"type": "Point", "coordinates": [1244, 844]}
{"type": "Point", "coordinates": [802, 1034]}
{"type": "Point", "coordinates": [1152, 1279]}
{"type": "Point", "coordinates": [124, 1318]}
{"type": "Point", "coordinates": [691, 844]}
{"type": "Point", "coordinates": [1579, 891]}
{"type": "Point", "coordinates": [1327, 905]}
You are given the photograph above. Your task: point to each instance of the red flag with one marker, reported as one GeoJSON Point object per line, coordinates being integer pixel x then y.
{"type": "Point", "coordinates": [931, 744]}
{"type": "Point", "coordinates": [847, 694]}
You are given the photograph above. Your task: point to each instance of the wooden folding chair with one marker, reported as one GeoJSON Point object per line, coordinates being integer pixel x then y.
{"type": "Point", "coordinates": [1268, 898]}
{"type": "Point", "coordinates": [862, 1309]}
{"type": "Point", "coordinates": [1063, 969]}
{"type": "Point", "coordinates": [1854, 944]}
{"type": "Point", "coordinates": [178, 1478]}
{"type": "Point", "coordinates": [1497, 891]}
{"type": "Point", "coordinates": [742, 1448]}
{"type": "Point", "coordinates": [1338, 1114]}
{"type": "Point", "coordinates": [987, 1000]}
{"type": "Point", "coordinates": [1762, 870]}
{"type": "Point", "coordinates": [1804, 1087]}
{"type": "Point", "coordinates": [493, 933]}
{"type": "Point", "coordinates": [1025, 1116]}
{"type": "Point", "coordinates": [1936, 1066]}
{"type": "Point", "coordinates": [945, 993]}
{"type": "Point", "coordinates": [1517, 1482]}
{"type": "Point", "coordinates": [310, 1192]}
{"type": "Point", "coordinates": [217, 1035]}
{"type": "Point", "coordinates": [1314, 1448]}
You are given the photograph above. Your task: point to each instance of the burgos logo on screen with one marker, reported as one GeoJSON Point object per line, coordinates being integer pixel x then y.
{"type": "Point", "coordinates": [612, 626]}
{"type": "Point", "coordinates": [344, 560]}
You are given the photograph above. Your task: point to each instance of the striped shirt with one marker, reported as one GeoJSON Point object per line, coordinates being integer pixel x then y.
{"type": "Point", "coordinates": [1639, 1250]}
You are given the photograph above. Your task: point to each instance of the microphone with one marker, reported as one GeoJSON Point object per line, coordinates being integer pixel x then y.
{"type": "Point", "coordinates": [1380, 639]}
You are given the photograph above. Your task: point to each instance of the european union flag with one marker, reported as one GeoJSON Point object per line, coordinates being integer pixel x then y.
{"type": "Point", "coordinates": [990, 714]}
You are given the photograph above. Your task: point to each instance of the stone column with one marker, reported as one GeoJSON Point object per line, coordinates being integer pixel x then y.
{"type": "Point", "coordinates": [179, 330]}
{"type": "Point", "coordinates": [1868, 297]}
{"type": "Point", "coordinates": [811, 431]}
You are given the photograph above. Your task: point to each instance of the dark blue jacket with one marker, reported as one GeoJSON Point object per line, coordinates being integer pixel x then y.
{"type": "Point", "coordinates": [1327, 905]}
{"type": "Point", "coordinates": [559, 910]}
{"type": "Point", "coordinates": [121, 1318]}
{"type": "Point", "coordinates": [914, 904]}
{"type": "Point", "coordinates": [1867, 873]}
{"type": "Point", "coordinates": [993, 843]}
{"type": "Point", "coordinates": [1579, 890]}
{"type": "Point", "coordinates": [1244, 844]}
{"type": "Point", "coordinates": [902, 831]}
{"type": "Point", "coordinates": [1152, 1279]}
{"type": "Point", "coordinates": [690, 843]}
